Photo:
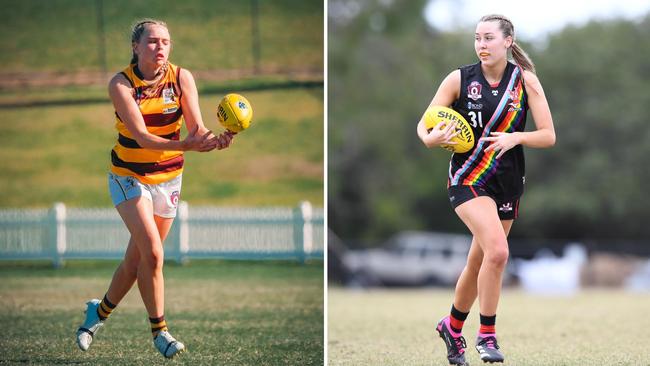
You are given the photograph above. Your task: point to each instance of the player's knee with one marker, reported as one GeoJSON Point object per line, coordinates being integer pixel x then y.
{"type": "Point", "coordinates": [152, 260]}
{"type": "Point", "coordinates": [498, 256]}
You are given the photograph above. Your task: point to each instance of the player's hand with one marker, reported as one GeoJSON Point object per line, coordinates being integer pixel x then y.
{"type": "Point", "coordinates": [439, 135]}
{"type": "Point", "coordinates": [200, 142]}
{"type": "Point", "coordinates": [501, 142]}
{"type": "Point", "coordinates": [225, 139]}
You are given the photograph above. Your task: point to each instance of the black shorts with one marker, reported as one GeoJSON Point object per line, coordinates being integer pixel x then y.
{"type": "Point", "coordinates": [508, 209]}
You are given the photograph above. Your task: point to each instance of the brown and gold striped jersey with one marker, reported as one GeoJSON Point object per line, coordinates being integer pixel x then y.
{"type": "Point", "coordinates": [161, 109]}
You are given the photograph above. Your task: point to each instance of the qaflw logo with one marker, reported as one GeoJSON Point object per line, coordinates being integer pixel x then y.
{"type": "Point", "coordinates": [474, 90]}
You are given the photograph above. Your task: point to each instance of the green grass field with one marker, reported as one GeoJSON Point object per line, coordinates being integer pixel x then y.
{"type": "Point", "coordinates": [63, 35]}
{"type": "Point", "coordinates": [227, 313]}
{"type": "Point", "coordinates": [384, 327]}
{"type": "Point", "coordinates": [278, 161]}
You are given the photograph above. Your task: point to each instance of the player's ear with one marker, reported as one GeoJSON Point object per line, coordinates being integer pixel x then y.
{"type": "Point", "coordinates": [509, 41]}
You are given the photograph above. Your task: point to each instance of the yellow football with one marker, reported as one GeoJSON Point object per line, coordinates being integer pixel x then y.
{"type": "Point", "coordinates": [234, 112]}
{"type": "Point", "coordinates": [465, 138]}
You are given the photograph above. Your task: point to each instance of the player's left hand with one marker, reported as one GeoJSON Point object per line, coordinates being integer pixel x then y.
{"type": "Point", "coordinates": [225, 139]}
{"type": "Point", "coordinates": [501, 142]}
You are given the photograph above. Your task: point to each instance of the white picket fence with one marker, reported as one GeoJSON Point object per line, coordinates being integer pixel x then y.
{"type": "Point", "coordinates": [62, 233]}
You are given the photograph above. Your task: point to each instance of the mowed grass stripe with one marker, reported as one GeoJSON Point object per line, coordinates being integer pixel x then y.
{"type": "Point", "coordinates": [63, 36]}
{"type": "Point", "coordinates": [384, 327]}
{"type": "Point", "coordinates": [225, 312]}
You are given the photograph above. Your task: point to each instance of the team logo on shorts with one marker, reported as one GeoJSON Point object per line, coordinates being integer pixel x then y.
{"type": "Point", "coordinates": [130, 183]}
{"type": "Point", "coordinates": [474, 90]}
{"type": "Point", "coordinates": [506, 207]}
{"type": "Point", "coordinates": [174, 198]}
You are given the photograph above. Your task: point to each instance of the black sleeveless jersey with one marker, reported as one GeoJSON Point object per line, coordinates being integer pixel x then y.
{"type": "Point", "coordinates": [487, 109]}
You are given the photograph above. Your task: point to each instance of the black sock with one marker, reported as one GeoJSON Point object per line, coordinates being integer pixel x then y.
{"type": "Point", "coordinates": [457, 319]}
{"type": "Point", "coordinates": [488, 324]}
{"type": "Point", "coordinates": [105, 309]}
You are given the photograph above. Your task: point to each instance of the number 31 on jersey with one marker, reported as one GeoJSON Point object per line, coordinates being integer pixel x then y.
{"type": "Point", "coordinates": [476, 119]}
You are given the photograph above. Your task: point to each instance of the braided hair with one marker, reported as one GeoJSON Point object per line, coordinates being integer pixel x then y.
{"type": "Point", "coordinates": [138, 30]}
{"type": "Point", "coordinates": [521, 57]}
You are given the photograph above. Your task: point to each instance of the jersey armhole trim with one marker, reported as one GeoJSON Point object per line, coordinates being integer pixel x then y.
{"type": "Point", "coordinates": [178, 81]}
{"type": "Point", "coordinates": [127, 78]}
{"type": "Point", "coordinates": [460, 89]}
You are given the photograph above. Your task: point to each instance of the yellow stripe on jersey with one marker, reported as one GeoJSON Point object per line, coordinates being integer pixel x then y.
{"type": "Point", "coordinates": [144, 155]}
{"type": "Point", "coordinates": [148, 179]}
{"type": "Point", "coordinates": [159, 131]}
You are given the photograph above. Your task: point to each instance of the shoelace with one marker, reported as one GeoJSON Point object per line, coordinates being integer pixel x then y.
{"type": "Point", "coordinates": [460, 343]}
{"type": "Point", "coordinates": [166, 336]}
{"type": "Point", "coordinates": [490, 342]}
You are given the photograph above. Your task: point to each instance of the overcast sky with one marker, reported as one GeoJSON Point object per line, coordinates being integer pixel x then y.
{"type": "Point", "coordinates": [532, 19]}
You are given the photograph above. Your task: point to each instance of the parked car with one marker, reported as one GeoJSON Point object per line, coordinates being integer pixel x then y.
{"type": "Point", "coordinates": [410, 258]}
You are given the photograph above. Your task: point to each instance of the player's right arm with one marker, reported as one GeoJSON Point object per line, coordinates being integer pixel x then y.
{"type": "Point", "coordinates": [448, 92]}
{"type": "Point", "coordinates": [121, 93]}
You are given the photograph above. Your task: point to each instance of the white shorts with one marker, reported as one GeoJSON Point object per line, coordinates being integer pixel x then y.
{"type": "Point", "coordinates": [164, 196]}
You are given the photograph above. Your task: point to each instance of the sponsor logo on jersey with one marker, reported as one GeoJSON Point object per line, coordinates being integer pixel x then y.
{"type": "Point", "coordinates": [495, 92]}
{"type": "Point", "coordinates": [515, 104]}
{"type": "Point", "coordinates": [506, 207]}
{"type": "Point", "coordinates": [168, 96]}
{"type": "Point", "coordinates": [474, 90]}
{"type": "Point", "coordinates": [169, 110]}
{"type": "Point", "coordinates": [471, 105]}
